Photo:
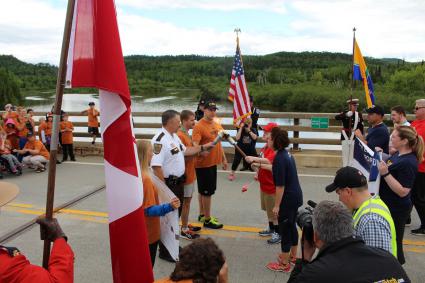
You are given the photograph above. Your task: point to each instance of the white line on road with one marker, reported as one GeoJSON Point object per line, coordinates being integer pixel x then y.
{"type": "Point", "coordinates": [219, 171]}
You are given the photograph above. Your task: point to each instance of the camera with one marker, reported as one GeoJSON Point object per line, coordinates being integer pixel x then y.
{"type": "Point", "coordinates": [305, 220]}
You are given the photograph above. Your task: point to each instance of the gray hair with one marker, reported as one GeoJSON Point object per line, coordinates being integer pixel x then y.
{"type": "Point", "coordinates": [332, 221]}
{"type": "Point", "coordinates": [168, 115]}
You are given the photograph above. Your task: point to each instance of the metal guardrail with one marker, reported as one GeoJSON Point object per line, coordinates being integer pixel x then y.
{"type": "Point", "coordinates": [296, 128]}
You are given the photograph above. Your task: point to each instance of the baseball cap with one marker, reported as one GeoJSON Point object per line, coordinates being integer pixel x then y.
{"type": "Point", "coordinates": [201, 102]}
{"type": "Point", "coordinates": [353, 101]}
{"type": "Point", "coordinates": [347, 177]}
{"type": "Point", "coordinates": [8, 192]}
{"type": "Point", "coordinates": [269, 127]}
{"type": "Point", "coordinates": [376, 109]}
{"type": "Point", "coordinates": [91, 103]}
{"type": "Point", "coordinates": [211, 105]}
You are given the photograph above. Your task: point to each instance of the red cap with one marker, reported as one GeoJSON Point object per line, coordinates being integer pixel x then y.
{"type": "Point", "coordinates": [269, 127]}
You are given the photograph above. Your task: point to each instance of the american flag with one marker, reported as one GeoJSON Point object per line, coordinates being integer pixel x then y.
{"type": "Point", "coordinates": [238, 92]}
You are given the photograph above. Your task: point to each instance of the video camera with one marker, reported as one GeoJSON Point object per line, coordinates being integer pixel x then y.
{"type": "Point", "coordinates": [305, 220]}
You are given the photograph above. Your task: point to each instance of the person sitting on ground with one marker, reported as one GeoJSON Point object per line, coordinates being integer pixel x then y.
{"type": "Point", "coordinates": [6, 153]}
{"type": "Point", "coordinates": [12, 133]}
{"type": "Point", "coordinates": [38, 154]}
{"type": "Point", "coordinates": [372, 218]}
{"type": "Point", "coordinates": [246, 142]}
{"type": "Point", "coordinates": [200, 262]}
{"type": "Point", "coordinates": [342, 257]}
{"type": "Point", "coordinates": [15, 267]}
{"type": "Point", "coordinates": [153, 210]}
{"type": "Point", "coordinates": [267, 186]}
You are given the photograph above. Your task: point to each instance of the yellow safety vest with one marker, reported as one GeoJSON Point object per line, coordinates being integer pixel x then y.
{"type": "Point", "coordinates": [376, 205]}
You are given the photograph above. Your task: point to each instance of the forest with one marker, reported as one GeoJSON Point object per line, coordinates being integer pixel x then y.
{"type": "Point", "coordinates": [284, 81]}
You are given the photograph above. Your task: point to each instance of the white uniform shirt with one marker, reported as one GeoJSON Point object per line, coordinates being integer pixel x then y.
{"type": "Point", "coordinates": [168, 153]}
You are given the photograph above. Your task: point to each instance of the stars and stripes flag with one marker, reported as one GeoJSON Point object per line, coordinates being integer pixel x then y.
{"type": "Point", "coordinates": [95, 60]}
{"type": "Point", "coordinates": [238, 92]}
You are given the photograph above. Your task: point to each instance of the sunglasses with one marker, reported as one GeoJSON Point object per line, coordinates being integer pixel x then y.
{"type": "Point", "coordinates": [417, 108]}
{"type": "Point", "coordinates": [212, 109]}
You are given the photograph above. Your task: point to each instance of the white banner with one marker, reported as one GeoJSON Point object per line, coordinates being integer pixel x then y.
{"type": "Point", "coordinates": [169, 222]}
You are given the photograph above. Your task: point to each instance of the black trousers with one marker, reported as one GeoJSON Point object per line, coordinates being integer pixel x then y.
{"type": "Point", "coordinates": [250, 151]}
{"type": "Point", "coordinates": [400, 219]}
{"type": "Point", "coordinates": [288, 228]}
{"type": "Point", "coordinates": [68, 149]}
{"type": "Point", "coordinates": [178, 190]}
{"type": "Point", "coordinates": [152, 251]}
{"type": "Point", "coordinates": [418, 196]}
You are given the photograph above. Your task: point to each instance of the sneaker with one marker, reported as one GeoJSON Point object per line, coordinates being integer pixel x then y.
{"type": "Point", "coordinates": [189, 235]}
{"type": "Point", "coordinates": [231, 177]}
{"type": "Point", "coordinates": [92, 142]}
{"type": "Point", "coordinates": [213, 224]}
{"type": "Point", "coordinates": [419, 232]}
{"type": "Point", "coordinates": [275, 239]}
{"type": "Point", "coordinates": [265, 233]}
{"type": "Point", "coordinates": [244, 169]}
{"type": "Point", "coordinates": [194, 228]}
{"type": "Point", "coordinates": [73, 159]}
{"type": "Point", "coordinates": [201, 218]}
{"type": "Point", "coordinates": [293, 261]}
{"type": "Point", "coordinates": [276, 266]}
{"type": "Point", "coordinates": [38, 170]}
{"type": "Point", "coordinates": [408, 222]}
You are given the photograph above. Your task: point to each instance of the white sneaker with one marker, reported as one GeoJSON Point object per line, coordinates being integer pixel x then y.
{"type": "Point", "coordinates": [275, 239]}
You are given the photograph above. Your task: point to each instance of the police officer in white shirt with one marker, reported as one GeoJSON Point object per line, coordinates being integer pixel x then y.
{"type": "Point", "coordinates": [168, 159]}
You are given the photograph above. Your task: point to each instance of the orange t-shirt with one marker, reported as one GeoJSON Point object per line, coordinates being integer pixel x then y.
{"type": "Point", "coordinates": [12, 137]}
{"type": "Point", "coordinates": [22, 127]}
{"type": "Point", "coordinates": [92, 115]}
{"type": "Point", "coordinates": [204, 132]}
{"type": "Point", "coordinates": [48, 128]}
{"type": "Point", "coordinates": [11, 115]}
{"type": "Point", "coordinates": [150, 198]}
{"type": "Point", "coordinates": [188, 161]}
{"type": "Point", "coordinates": [67, 137]}
{"type": "Point", "coordinates": [168, 280]}
{"type": "Point", "coordinates": [41, 127]}
{"type": "Point", "coordinates": [38, 145]}
{"type": "Point", "coordinates": [7, 147]}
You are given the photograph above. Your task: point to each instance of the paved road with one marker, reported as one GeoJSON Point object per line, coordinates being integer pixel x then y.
{"type": "Point", "coordinates": [87, 229]}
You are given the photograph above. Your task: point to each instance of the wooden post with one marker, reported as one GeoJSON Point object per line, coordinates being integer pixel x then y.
{"type": "Point", "coordinates": [296, 133]}
{"type": "Point", "coordinates": [60, 85]}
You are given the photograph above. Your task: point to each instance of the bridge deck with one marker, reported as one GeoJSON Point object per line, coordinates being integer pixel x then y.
{"type": "Point", "coordinates": [86, 223]}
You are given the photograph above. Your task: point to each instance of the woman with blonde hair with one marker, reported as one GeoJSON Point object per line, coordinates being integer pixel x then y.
{"type": "Point", "coordinates": [398, 174]}
{"type": "Point", "coordinates": [153, 210]}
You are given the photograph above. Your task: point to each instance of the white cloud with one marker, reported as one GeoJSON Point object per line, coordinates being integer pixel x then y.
{"type": "Point", "coordinates": [32, 29]}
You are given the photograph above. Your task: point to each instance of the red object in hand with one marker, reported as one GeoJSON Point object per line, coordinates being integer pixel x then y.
{"type": "Point", "coordinates": [244, 188]}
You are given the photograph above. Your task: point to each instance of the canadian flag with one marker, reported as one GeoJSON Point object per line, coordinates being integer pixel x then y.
{"type": "Point", "coordinates": [95, 60]}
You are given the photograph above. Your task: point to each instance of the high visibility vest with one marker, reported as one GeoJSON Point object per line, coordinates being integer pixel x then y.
{"type": "Point", "coordinates": [376, 205]}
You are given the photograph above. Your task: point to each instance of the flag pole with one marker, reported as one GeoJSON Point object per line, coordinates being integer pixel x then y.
{"type": "Point", "coordinates": [60, 85]}
{"type": "Point", "coordinates": [352, 81]}
{"type": "Point", "coordinates": [238, 30]}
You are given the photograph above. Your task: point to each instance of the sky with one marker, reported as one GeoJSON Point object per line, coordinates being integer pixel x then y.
{"type": "Point", "coordinates": [31, 30]}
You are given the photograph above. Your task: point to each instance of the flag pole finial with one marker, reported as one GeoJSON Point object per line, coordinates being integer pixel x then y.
{"type": "Point", "coordinates": [354, 31]}
{"type": "Point", "coordinates": [237, 30]}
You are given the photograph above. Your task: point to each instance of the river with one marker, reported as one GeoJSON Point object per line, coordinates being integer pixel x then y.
{"type": "Point", "coordinates": [79, 102]}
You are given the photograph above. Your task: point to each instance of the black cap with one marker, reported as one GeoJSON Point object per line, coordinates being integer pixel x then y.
{"type": "Point", "coordinates": [30, 134]}
{"type": "Point", "coordinates": [201, 102]}
{"type": "Point", "coordinates": [91, 103]}
{"type": "Point", "coordinates": [251, 98]}
{"type": "Point", "coordinates": [376, 109]}
{"type": "Point", "coordinates": [347, 177]}
{"type": "Point", "coordinates": [211, 105]}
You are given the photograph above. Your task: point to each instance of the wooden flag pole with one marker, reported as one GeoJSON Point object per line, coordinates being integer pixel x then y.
{"type": "Point", "coordinates": [60, 85]}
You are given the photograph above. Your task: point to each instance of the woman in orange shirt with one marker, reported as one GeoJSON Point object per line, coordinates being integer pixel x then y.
{"type": "Point", "coordinates": [66, 128]}
{"type": "Point", "coordinates": [153, 210]}
{"type": "Point", "coordinates": [12, 133]}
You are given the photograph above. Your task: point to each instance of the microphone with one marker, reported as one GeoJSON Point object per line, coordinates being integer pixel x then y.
{"type": "Point", "coordinates": [311, 203]}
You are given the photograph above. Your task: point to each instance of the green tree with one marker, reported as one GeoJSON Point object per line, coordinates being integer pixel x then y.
{"type": "Point", "coordinates": [9, 89]}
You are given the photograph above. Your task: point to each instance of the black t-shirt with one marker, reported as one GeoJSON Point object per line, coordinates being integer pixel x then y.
{"type": "Point", "coordinates": [246, 141]}
{"type": "Point", "coordinates": [378, 136]}
{"type": "Point", "coordinates": [403, 168]}
{"type": "Point", "coordinates": [285, 174]}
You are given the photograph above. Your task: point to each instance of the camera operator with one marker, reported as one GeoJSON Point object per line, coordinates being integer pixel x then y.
{"type": "Point", "coordinates": [372, 218]}
{"type": "Point", "coordinates": [342, 257]}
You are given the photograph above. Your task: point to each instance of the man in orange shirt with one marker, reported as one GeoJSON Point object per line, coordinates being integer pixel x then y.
{"type": "Point", "coordinates": [187, 118]}
{"type": "Point", "coordinates": [38, 154]}
{"type": "Point", "coordinates": [93, 122]}
{"type": "Point", "coordinates": [67, 139]}
{"type": "Point", "coordinates": [205, 131]}
{"type": "Point", "coordinates": [15, 267]}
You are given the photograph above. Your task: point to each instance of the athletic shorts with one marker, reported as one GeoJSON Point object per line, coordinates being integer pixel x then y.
{"type": "Point", "coordinates": [267, 203]}
{"type": "Point", "coordinates": [207, 180]}
{"type": "Point", "coordinates": [94, 131]}
{"type": "Point", "coordinates": [189, 189]}
{"type": "Point", "coordinates": [288, 228]}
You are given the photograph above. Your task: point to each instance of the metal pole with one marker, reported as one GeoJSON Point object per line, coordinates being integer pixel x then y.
{"type": "Point", "coordinates": [60, 85]}
{"type": "Point", "coordinates": [352, 83]}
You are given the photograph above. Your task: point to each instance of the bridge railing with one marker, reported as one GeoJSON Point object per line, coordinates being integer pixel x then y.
{"type": "Point", "coordinates": [295, 123]}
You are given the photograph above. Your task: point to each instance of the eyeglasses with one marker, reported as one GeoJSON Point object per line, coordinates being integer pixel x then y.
{"type": "Point", "coordinates": [417, 108]}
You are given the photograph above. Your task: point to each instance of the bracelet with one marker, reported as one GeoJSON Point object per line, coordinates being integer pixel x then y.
{"type": "Point", "coordinates": [202, 148]}
{"type": "Point", "coordinates": [385, 175]}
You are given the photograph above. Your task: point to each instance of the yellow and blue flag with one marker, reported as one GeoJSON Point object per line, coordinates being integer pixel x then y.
{"type": "Point", "coordinates": [361, 73]}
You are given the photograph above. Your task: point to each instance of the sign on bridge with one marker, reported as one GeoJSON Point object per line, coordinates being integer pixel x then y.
{"type": "Point", "coordinates": [319, 123]}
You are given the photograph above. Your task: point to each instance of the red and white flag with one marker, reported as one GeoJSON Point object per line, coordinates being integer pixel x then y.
{"type": "Point", "coordinates": [238, 92]}
{"type": "Point", "coordinates": [95, 60]}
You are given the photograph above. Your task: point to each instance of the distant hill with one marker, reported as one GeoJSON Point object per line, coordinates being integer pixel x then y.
{"type": "Point", "coordinates": [273, 77]}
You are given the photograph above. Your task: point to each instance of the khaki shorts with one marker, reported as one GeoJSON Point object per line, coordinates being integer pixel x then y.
{"type": "Point", "coordinates": [189, 189]}
{"type": "Point", "coordinates": [267, 204]}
